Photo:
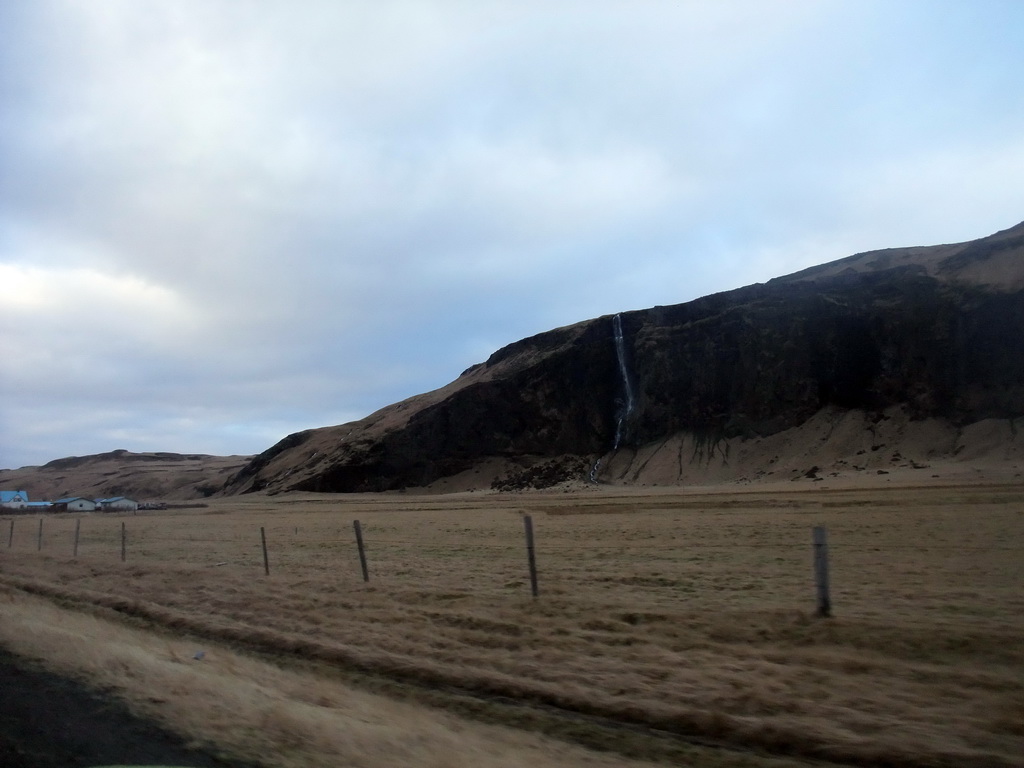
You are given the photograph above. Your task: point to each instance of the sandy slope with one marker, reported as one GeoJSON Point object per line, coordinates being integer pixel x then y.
{"type": "Point", "coordinates": [834, 447]}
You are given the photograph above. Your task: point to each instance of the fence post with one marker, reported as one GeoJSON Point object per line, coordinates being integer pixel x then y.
{"type": "Point", "coordinates": [362, 550]}
{"type": "Point", "coordinates": [39, 538]}
{"type": "Point", "coordinates": [78, 527]}
{"type": "Point", "coordinates": [821, 572]}
{"type": "Point", "coordinates": [266, 560]}
{"type": "Point", "coordinates": [124, 543]}
{"type": "Point", "coordinates": [10, 538]}
{"type": "Point", "coordinates": [530, 554]}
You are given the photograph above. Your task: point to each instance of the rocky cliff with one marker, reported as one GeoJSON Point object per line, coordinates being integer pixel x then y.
{"type": "Point", "coordinates": [925, 336]}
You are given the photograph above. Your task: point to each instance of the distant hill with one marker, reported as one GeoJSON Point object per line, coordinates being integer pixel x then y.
{"type": "Point", "coordinates": [140, 476]}
{"type": "Point", "coordinates": [887, 360]}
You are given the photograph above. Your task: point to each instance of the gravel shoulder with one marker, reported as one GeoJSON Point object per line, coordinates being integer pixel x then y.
{"type": "Point", "coordinates": [47, 721]}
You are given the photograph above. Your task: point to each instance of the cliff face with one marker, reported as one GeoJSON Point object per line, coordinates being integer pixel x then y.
{"type": "Point", "coordinates": [935, 331]}
{"type": "Point", "coordinates": [762, 359]}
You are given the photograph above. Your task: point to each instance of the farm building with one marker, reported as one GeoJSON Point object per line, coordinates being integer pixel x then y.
{"type": "Point", "coordinates": [13, 499]}
{"type": "Point", "coordinates": [75, 504]}
{"type": "Point", "coordinates": [117, 504]}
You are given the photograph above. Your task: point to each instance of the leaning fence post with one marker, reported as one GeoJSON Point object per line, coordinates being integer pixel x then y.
{"type": "Point", "coordinates": [530, 555]}
{"type": "Point", "coordinates": [266, 560]}
{"type": "Point", "coordinates": [124, 543]}
{"type": "Point", "coordinates": [39, 538]}
{"type": "Point", "coordinates": [821, 571]}
{"type": "Point", "coordinates": [362, 550]}
{"type": "Point", "coordinates": [78, 527]}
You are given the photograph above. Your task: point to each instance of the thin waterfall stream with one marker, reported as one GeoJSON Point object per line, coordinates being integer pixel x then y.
{"type": "Point", "coordinates": [625, 407]}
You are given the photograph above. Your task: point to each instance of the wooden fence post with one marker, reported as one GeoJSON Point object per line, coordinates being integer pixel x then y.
{"type": "Point", "coordinates": [821, 572]}
{"type": "Point", "coordinates": [362, 550]}
{"type": "Point", "coordinates": [266, 559]}
{"type": "Point", "coordinates": [78, 527]}
{"type": "Point", "coordinates": [10, 538]}
{"type": "Point", "coordinates": [530, 554]}
{"type": "Point", "coordinates": [39, 538]}
{"type": "Point", "coordinates": [124, 543]}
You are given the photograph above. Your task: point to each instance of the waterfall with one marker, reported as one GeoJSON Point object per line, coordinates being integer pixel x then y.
{"type": "Point", "coordinates": [626, 408]}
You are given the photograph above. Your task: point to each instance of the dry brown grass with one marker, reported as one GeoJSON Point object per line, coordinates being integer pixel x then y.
{"type": "Point", "coordinates": [689, 612]}
{"type": "Point", "coordinates": [245, 709]}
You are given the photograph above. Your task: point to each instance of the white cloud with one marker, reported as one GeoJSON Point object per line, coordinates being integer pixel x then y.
{"type": "Point", "coordinates": [92, 294]}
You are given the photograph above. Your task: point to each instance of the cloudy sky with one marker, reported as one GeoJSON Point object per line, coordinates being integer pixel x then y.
{"type": "Point", "coordinates": [222, 221]}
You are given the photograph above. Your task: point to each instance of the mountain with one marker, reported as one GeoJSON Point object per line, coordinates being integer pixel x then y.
{"type": "Point", "coordinates": [140, 476]}
{"type": "Point", "coordinates": [860, 362]}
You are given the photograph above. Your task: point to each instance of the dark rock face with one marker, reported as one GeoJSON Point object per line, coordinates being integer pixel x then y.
{"type": "Point", "coordinates": [939, 331]}
{"type": "Point", "coordinates": [776, 354]}
{"type": "Point", "coordinates": [543, 396]}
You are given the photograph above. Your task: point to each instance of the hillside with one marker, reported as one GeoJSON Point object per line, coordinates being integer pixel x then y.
{"type": "Point", "coordinates": [888, 360]}
{"type": "Point", "coordinates": [141, 476]}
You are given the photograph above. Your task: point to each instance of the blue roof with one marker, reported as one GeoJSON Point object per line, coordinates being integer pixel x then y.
{"type": "Point", "coordinates": [8, 496]}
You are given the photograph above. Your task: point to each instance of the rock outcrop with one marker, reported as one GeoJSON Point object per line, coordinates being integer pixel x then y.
{"type": "Point", "coordinates": [935, 334]}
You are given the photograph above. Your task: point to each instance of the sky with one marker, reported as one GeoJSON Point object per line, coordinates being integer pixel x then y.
{"type": "Point", "coordinates": [223, 221]}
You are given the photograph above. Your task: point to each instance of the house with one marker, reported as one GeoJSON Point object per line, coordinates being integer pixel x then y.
{"type": "Point", "coordinates": [117, 504]}
{"type": "Point", "coordinates": [13, 499]}
{"type": "Point", "coordinates": [74, 504]}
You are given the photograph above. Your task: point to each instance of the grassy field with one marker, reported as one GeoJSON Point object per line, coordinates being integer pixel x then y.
{"type": "Point", "coordinates": [664, 618]}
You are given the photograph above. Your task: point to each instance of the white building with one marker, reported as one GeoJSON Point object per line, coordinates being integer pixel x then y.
{"type": "Point", "coordinates": [13, 499]}
{"type": "Point", "coordinates": [75, 504]}
{"type": "Point", "coordinates": [117, 504]}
